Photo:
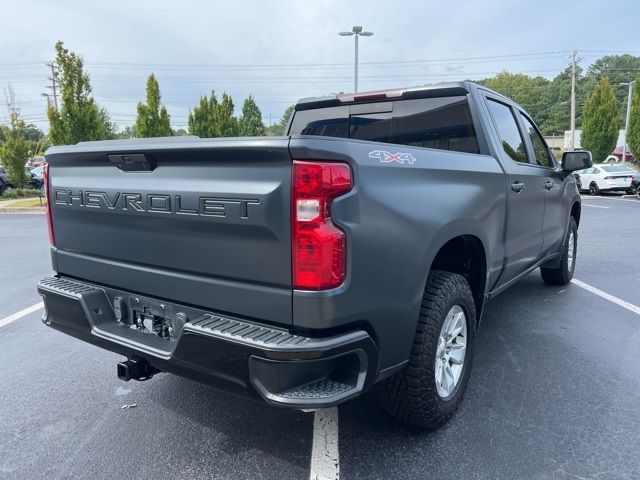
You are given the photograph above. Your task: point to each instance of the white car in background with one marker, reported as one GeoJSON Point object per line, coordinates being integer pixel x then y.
{"type": "Point", "coordinates": [605, 177]}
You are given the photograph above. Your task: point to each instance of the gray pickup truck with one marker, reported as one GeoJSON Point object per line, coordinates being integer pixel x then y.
{"type": "Point", "coordinates": [301, 271]}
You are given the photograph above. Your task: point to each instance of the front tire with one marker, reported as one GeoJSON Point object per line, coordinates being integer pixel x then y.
{"type": "Point", "coordinates": [428, 391]}
{"type": "Point", "coordinates": [563, 273]}
{"type": "Point", "coordinates": [593, 188]}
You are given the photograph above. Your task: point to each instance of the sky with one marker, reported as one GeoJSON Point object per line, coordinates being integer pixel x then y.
{"type": "Point", "coordinates": [280, 51]}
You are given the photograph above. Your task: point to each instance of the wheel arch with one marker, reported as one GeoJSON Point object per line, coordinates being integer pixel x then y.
{"type": "Point", "coordinates": [463, 251]}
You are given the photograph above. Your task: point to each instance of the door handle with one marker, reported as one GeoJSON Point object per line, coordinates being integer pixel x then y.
{"type": "Point", "coordinates": [517, 187]}
{"type": "Point", "coordinates": [548, 184]}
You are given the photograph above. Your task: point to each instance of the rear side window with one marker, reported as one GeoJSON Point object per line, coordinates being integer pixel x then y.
{"type": "Point", "coordinates": [442, 123]}
{"type": "Point", "coordinates": [508, 130]}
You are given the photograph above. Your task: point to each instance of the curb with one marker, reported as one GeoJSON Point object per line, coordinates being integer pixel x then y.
{"type": "Point", "coordinates": [32, 210]}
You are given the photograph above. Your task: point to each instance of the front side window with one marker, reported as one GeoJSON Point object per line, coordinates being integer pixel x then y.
{"type": "Point", "coordinates": [540, 149]}
{"type": "Point", "coordinates": [508, 131]}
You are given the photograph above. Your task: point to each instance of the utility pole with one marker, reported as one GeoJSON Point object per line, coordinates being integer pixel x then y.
{"type": "Point", "coordinates": [573, 99]}
{"type": "Point", "coordinates": [54, 83]}
{"type": "Point", "coordinates": [357, 32]}
{"type": "Point", "coordinates": [626, 123]}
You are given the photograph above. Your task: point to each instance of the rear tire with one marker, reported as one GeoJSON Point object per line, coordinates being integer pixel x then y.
{"type": "Point", "coordinates": [593, 188]}
{"type": "Point", "coordinates": [414, 395]}
{"type": "Point", "coordinates": [563, 273]}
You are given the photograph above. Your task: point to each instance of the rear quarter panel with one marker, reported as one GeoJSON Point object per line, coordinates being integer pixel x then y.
{"type": "Point", "coordinates": [396, 219]}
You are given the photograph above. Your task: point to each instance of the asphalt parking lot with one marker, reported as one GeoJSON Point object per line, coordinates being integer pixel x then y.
{"type": "Point", "coordinates": [554, 393]}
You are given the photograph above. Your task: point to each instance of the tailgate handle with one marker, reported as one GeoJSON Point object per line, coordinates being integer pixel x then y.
{"type": "Point", "coordinates": [132, 162]}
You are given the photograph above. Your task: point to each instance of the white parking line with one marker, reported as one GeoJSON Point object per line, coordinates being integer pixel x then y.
{"type": "Point", "coordinates": [594, 206]}
{"type": "Point", "coordinates": [607, 296]}
{"type": "Point", "coordinates": [325, 463]}
{"type": "Point", "coordinates": [20, 314]}
{"type": "Point", "coordinates": [595, 197]}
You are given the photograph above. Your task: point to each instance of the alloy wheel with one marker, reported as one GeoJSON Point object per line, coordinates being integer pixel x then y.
{"type": "Point", "coordinates": [450, 352]}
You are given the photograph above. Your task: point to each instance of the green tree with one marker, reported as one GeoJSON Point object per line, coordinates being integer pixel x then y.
{"type": "Point", "coordinates": [79, 117]}
{"type": "Point", "coordinates": [250, 124]}
{"type": "Point", "coordinates": [619, 69]}
{"type": "Point", "coordinates": [153, 119]}
{"type": "Point", "coordinates": [522, 89]}
{"type": "Point", "coordinates": [633, 135]}
{"type": "Point", "coordinates": [15, 149]}
{"type": "Point", "coordinates": [32, 133]}
{"type": "Point", "coordinates": [556, 101]}
{"type": "Point", "coordinates": [600, 124]}
{"type": "Point", "coordinates": [202, 119]}
{"type": "Point", "coordinates": [278, 129]}
{"type": "Point", "coordinates": [125, 133]}
{"type": "Point", "coordinates": [226, 123]}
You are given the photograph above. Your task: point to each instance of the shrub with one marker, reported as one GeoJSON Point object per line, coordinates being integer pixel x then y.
{"type": "Point", "coordinates": [21, 192]}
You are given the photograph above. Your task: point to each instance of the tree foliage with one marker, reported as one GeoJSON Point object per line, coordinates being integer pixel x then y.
{"type": "Point", "coordinates": [279, 128]}
{"type": "Point", "coordinates": [15, 149]}
{"type": "Point", "coordinates": [153, 119]}
{"type": "Point", "coordinates": [226, 123]}
{"type": "Point", "coordinates": [633, 135]}
{"type": "Point", "coordinates": [556, 100]}
{"type": "Point", "coordinates": [250, 123]}
{"type": "Point", "coordinates": [79, 117]}
{"type": "Point", "coordinates": [619, 69]}
{"type": "Point", "coordinates": [600, 124]}
{"type": "Point", "coordinates": [202, 119]}
{"type": "Point", "coordinates": [522, 89]}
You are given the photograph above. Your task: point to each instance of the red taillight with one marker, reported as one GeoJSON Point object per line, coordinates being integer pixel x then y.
{"type": "Point", "coordinates": [318, 246]}
{"type": "Point", "coordinates": [47, 189]}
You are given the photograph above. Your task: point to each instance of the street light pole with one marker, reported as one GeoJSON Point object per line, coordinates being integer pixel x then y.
{"type": "Point", "coordinates": [356, 32]}
{"type": "Point", "coordinates": [626, 123]}
{"type": "Point", "coordinates": [355, 67]}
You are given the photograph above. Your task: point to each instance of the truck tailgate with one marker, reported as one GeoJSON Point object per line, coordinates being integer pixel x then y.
{"type": "Point", "coordinates": [208, 225]}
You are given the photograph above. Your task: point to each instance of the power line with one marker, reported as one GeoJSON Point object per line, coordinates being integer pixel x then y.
{"type": "Point", "coordinates": [54, 83]}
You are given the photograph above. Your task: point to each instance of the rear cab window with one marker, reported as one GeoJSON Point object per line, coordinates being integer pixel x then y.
{"type": "Point", "coordinates": [443, 123]}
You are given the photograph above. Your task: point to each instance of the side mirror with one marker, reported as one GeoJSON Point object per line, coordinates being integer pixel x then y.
{"type": "Point", "coordinates": [572, 161]}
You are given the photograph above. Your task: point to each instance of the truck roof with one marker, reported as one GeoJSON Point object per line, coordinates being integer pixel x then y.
{"type": "Point", "coordinates": [444, 89]}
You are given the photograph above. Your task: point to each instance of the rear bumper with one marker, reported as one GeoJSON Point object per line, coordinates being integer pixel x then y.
{"type": "Point", "coordinates": [235, 355]}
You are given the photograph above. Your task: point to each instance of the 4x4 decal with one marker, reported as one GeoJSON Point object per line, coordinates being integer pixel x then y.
{"type": "Point", "coordinates": [388, 157]}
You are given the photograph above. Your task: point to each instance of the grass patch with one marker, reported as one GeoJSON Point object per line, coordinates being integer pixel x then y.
{"type": "Point", "coordinates": [27, 202]}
